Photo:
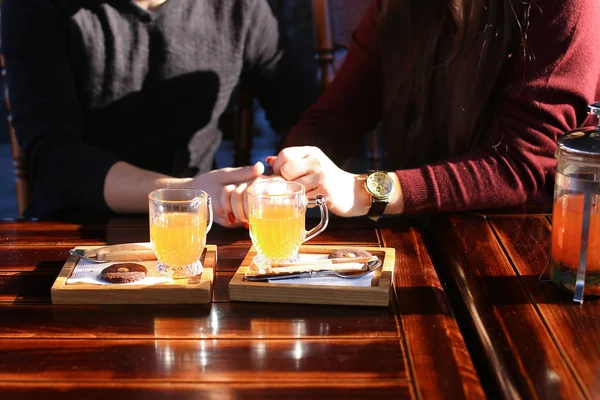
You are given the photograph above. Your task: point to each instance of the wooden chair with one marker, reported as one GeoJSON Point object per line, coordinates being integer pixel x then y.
{"type": "Point", "coordinates": [335, 20]}
{"type": "Point", "coordinates": [23, 189]}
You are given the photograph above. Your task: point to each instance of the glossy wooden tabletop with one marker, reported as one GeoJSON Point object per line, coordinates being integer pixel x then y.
{"type": "Point", "coordinates": [411, 349]}
{"type": "Point", "coordinates": [525, 335]}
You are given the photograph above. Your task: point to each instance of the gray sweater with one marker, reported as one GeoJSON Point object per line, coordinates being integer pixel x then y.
{"type": "Point", "coordinates": [92, 82]}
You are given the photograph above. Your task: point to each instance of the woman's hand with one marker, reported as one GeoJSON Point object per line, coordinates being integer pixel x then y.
{"type": "Point", "coordinates": [310, 166]}
{"type": "Point", "coordinates": [221, 183]}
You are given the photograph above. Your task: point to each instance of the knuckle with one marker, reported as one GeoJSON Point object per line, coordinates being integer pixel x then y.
{"type": "Point", "coordinates": [285, 153]}
{"type": "Point", "coordinates": [317, 167]}
{"type": "Point", "coordinates": [286, 170]}
{"type": "Point", "coordinates": [240, 189]}
{"type": "Point", "coordinates": [321, 177]}
{"type": "Point", "coordinates": [229, 189]}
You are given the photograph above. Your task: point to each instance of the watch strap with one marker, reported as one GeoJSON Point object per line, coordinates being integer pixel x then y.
{"type": "Point", "coordinates": [377, 208]}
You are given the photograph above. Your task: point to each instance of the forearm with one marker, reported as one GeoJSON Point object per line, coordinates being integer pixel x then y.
{"type": "Point", "coordinates": [126, 187]}
{"type": "Point", "coordinates": [396, 204]}
{"type": "Point", "coordinates": [479, 180]}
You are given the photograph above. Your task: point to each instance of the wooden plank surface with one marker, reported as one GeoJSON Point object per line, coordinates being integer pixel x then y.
{"type": "Point", "coordinates": [24, 233]}
{"type": "Point", "coordinates": [219, 320]}
{"type": "Point", "coordinates": [276, 390]}
{"type": "Point", "coordinates": [184, 361]}
{"type": "Point", "coordinates": [25, 287]}
{"type": "Point", "coordinates": [575, 328]}
{"type": "Point", "coordinates": [221, 287]}
{"type": "Point", "coordinates": [231, 256]}
{"type": "Point", "coordinates": [48, 259]}
{"type": "Point", "coordinates": [521, 352]}
{"type": "Point", "coordinates": [438, 355]}
{"type": "Point", "coordinates": [410, 349]}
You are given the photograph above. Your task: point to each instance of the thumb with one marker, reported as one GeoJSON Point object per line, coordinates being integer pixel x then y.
{"type": "Point", "coordinates": [241, 174]}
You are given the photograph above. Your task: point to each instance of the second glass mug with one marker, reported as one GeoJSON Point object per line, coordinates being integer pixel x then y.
{"type": "Point", "coordinates": [180, 219]}
{"type": "Point", "coordinates": [276, 215]}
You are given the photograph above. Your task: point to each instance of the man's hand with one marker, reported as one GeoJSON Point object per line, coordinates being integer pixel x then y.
{"type": "Point", "coordinates": [221, 183]}
{"type": "Point", "coordinates": [234, 200]}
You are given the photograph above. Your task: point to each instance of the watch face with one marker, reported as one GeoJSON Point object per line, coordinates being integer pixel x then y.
{"type": "Point", "coordinates": [379, 184]}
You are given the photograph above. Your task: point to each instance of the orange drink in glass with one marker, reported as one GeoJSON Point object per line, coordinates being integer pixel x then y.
{"type": "Point", "coordinates": [179, 221]}
{"type": "Point", "coordinates": [278, 230]}
{"type": "Point", "coordinates": [276, 214]}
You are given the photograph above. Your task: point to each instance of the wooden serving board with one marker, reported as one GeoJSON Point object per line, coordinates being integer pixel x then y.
{"type": "Point", "coordinates": [176, 291]}
{"type": "Point", "coordinates": [378, 294]}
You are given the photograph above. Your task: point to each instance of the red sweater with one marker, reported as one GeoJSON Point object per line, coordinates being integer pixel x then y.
{"type": "Point", "coordinates": [539, 103]}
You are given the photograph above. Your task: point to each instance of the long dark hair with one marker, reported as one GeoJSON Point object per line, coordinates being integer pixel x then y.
{"type": "Point", "coordinates": [442, 76]}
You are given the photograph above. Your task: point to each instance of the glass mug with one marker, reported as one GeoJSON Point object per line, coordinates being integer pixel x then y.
{"type": "Point", "coordinates": [276, 214]}
{"type": "Point", "coordinates": [180, 218]}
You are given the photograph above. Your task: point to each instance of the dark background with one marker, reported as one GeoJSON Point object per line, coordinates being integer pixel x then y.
{"type": "Point", "coordinates": [3, 123]}
{"type": "Point", "coordinates": [295, 19]}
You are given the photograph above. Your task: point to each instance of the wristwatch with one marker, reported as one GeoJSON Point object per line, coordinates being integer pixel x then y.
{"type": "Point", "coordinates": [380, 187]}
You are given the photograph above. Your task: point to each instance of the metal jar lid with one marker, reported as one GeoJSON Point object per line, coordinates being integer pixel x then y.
{"type": "Point", "coordinates": [583, 141]}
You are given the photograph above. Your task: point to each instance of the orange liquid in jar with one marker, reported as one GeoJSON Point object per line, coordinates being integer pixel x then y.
{"type": "Point", "coordinates": [567, 220]}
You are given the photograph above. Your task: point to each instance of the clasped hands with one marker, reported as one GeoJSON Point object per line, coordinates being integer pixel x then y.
{"type": "Point", "coordinates": [307, 165]}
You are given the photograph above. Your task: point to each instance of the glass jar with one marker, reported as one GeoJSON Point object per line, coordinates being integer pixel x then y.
{"type": "Point", "coordinates": [575, 253]}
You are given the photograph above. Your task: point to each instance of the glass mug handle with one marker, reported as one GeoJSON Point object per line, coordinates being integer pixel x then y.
{"type": "Point", "coordinates": [320, 201]}
{"type": "Point", "coordinates": [209, 223]}
{"type": "Point", "coordinates": [195, 204]}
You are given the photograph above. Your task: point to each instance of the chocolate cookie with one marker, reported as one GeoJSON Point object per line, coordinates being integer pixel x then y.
{"type": "Point", "coordinates": [349, 252]}
{"type": "Point", "coordinates": [123, 273]}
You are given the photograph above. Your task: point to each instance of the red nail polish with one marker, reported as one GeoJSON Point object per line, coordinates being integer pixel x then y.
{"type": "Point", "coordinates": [245, 225]}
{"type": "Point", "coordinates": [231, 218]}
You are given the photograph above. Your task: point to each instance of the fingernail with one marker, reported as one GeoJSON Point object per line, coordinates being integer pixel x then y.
{"type": "Point", "coordinates": [245, 225]}
{"type": "Point", "coordinates": [270, 159]}
{"type": "Point", "coordinates": [231, 218]}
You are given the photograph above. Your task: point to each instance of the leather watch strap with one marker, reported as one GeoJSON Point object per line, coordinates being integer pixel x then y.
{"type": "Point", "coordinates": [377, 208]}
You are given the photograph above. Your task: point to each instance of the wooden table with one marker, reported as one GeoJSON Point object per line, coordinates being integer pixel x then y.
{"type": "Point", "coordinates": [491, 329]}
{"type": "Point", "coordinates": [411, 349]}
{"type": "Point", "coordinates": [528, 339]}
